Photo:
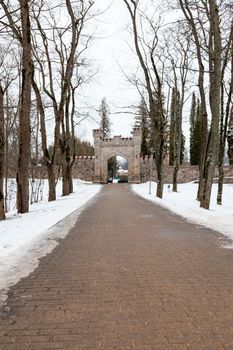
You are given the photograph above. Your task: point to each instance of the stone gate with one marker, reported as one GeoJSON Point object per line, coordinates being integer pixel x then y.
{"type": "Point", "coordinates": [129, 148]}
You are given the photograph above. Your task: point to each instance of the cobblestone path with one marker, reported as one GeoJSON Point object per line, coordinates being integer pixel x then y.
{"type": "Point", "coordinates": [130, 275]}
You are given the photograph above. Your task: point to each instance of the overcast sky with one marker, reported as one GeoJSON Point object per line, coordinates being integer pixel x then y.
{"type": "Point", "coordinates": [111, 54]}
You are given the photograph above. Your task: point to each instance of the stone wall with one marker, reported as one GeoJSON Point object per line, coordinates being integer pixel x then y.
{"type": "Point", "coordinates": [186, 173]}
{"type": "Point", "coordinates": [84, 169]}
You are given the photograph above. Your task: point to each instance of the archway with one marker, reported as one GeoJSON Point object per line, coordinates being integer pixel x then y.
{"type": "Point", "coordinates": [118, 169]}
{"type": "Point", "coordinates": [128, 148]}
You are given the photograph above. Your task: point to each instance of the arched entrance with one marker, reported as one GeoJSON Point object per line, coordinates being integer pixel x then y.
{"type": "Point", "coordinates": [128, 148]}
{"type": "Point", "coordinates": [118, 169]}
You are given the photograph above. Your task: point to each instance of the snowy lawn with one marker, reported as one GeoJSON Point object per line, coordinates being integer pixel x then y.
{"type": "Point", "coordinates": [25, 238]}
{"type": "Point", "coordinates": [184, 203]}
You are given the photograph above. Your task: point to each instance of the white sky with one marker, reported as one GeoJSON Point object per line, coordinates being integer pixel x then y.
{"type": "Point", "coordinates": [110, 52]}
{"type": "Point", "coordinates": [113, 53]}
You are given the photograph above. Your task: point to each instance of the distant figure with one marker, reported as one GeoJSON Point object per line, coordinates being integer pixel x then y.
{"type": "Point", "coordinates": [169, 188]}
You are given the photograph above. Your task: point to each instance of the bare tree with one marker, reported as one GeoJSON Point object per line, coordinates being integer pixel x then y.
{"type": "Point", "coordinates": [23, 35]}
{"type": "Point", "coordinates": [230, 137]}
{"type": "Point", "coordinates": [177, 50]}
{"type": "Point", "coordinates": [2, 145]}
{"type": "Point", "coordinates": [204, 21]}
{"type": "Point", "coordinates": [65, 57]}
{"type": "Point", "coordinates": [154, 87]}
{"type": "Point", "coordinates": [226, 105]}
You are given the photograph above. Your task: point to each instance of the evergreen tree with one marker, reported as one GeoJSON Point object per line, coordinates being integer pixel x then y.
{"type": "Point", "coordinates": [143, 121]}
{"type": "Point", "coordinates": [195, 154]}
{"type": "Point", "coordinates": [158, 141]}
{"type": "Point", "coordinates": [175, 135]}
{"type": "Point", "coordinates": [105, 123]}
{"type": "Point", "coordinates": [230, 138]}
{"type": "Point", "coordinates": [193, 113]}
{"type": "Point", "coordinates": [172, 127]}
{"type": "Point", "coordinates": [83, 148]}
{"type": "Point", "coordinates": [182, 151]}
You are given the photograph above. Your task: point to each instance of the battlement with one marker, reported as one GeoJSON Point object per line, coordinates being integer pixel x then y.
{"type": "Point", "coordinates": [127, 147]}
{"type": "Point", "coordinates": [117, 141]}
{"type": "Point", "coordinates": [137, 131]}
{"type": "Point", "coordinates": [84, 157]}
{"type": "Point", "coordinates": [97, 133]}
{"type": "Point", "coordinates": [146, 157]}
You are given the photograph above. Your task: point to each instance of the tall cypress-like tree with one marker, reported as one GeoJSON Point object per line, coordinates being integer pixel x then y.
{"type": "Point", "coordinates": [230, 138]}
{"type": "Point", "coordinates": [196, 125]}
{"type": "Point", "coordinates": [175, 135]}
{"type": "Point", "coordinates": [174, 118]}
{"type": "Point", "coordinates": [105, 123]}
{"type": "Point", "coordinates": [142, 120]}
{"type": "Point", "coordinates": [197, 140]}
{"type": "Point", "coordinates": [182, 151]}
{"type": "Point", "coordinates": [172, 128]}
{"type": "Point", "coordinates": [192, 119]}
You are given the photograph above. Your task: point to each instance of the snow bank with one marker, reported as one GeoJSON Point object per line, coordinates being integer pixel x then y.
{"type": "Point", "coordinates": [26, 238]}
{"type": "Point", "coordinates": [184, 203]}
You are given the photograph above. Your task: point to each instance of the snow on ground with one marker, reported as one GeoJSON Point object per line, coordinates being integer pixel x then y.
{"type": "Point", "coordinates": [26, 238]}
{"type": "Point", "coordinates": [184, 203]}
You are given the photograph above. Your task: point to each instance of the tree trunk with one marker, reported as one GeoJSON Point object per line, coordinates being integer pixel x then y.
{"type": "Point", "coordinates": [24, 114]}
{"type": "Point", "coordinates": [65, 180]}
{"type": "Point", "coordinates": [71, 187]}
{"type": "Point", "coordinates": [220, 184]}
{"type": "Point", "coordinates": [66, 172]}
{"type": "Point", "coordinates": [214, 98]}
{"type": "Point", "coordinates": [52, 182]}
{"type": "Point", "coordinates": [160, 165]}
{"type": "Point", "coordinates": [224, 121]}
{"type": "Point", "coordinates": [222, 141]}
{"type": "Point", "coordinates": [174, 183]}
{"type": "Point", "coordinates": [160, 183]}
{"type": "Point", "coordinates": [230, 138]}
{"type": "Point", "coordinates": [49, 161]}
{"type": "Point", "coordinates": [2, 145]}
{"type": "Point", "coordinates": [6, 156]}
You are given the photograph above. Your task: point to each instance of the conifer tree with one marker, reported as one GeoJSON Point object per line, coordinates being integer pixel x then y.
{"type": "Point", "coordinates": [182, 151]}
{"type": "Point", "coordinates": [172, 128]}
{"type": "Point", "coordinates": [174, 118]}
{"type": "Point", "coordinates": [196, 150]}
{"type": "Point", "coordinates": [192, 126]}
{"type": "Point", "coordinates": [142, 120]}
{"type": "Point", "coordinates": [230, 138]}
{"type": "Point", "coordinates": [175, 135]}
{"type": "Point", "coordinates": [105, 123]}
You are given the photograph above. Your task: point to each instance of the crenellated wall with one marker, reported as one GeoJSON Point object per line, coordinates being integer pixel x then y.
{"type": "Point", "coordinates": [84, 166]}
{"type": "Point", "coordinates": [84, 169]}
{"type": "Point", "coordinates": [128, 148]}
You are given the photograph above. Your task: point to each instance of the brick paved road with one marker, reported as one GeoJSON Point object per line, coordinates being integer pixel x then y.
{"type": "Point", "coordinates": [130, 275]}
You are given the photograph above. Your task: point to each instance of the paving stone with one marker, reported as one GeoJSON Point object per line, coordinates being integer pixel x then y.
{"type": "Point", "coordinates": [129, 276]}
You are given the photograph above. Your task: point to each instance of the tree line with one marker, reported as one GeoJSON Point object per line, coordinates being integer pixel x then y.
{"type": "Point", "coordinates": [42, 66]}
{"type": "Point", "coordinates": [187, 54]}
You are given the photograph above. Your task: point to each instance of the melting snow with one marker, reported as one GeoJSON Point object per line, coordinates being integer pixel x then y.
{"type": "Point", "coordinates": [26, 238]}
{"type": "Point", "coordinates": [184, 203]}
